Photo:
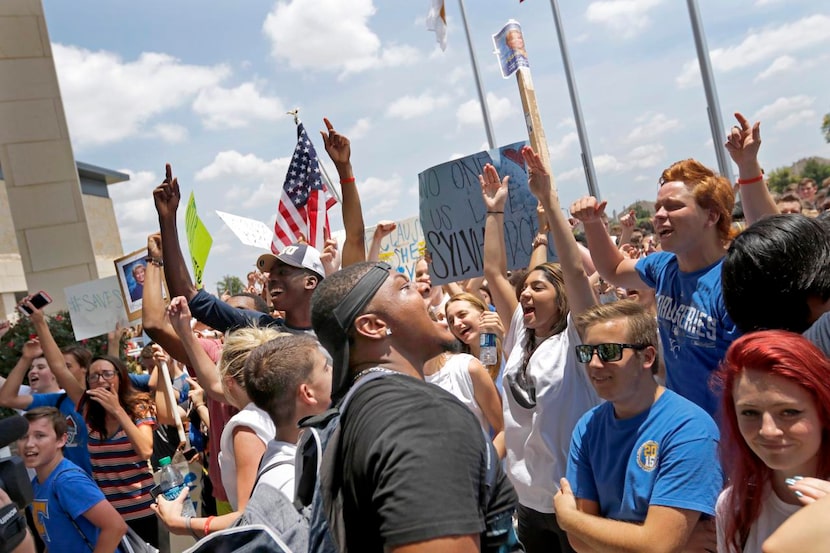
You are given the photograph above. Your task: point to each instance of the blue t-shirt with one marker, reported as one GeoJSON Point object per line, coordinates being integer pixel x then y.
{"type": "Point", "coordinates": [76, 433]}
{"type": "Point", "coordinates": [665, 456]}
{"type": "Point", "coordinates": [695, 328]}
{"type": "Point", "coordinates": [65, 496]}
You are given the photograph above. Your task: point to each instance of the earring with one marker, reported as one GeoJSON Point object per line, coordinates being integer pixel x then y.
{"type": "Point", "coordinates": [389, 332]}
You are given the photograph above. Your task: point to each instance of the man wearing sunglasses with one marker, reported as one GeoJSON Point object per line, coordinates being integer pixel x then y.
{"type": "Point", "coordinates": [643, 467]}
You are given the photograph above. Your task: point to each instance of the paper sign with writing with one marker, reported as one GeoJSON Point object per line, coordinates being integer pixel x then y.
{"type": "Point", "coordinates": [249, 231]}
{"type": "Point", "coordinates": [402, 247]}
{"type": "Point", "coordinates": [199, 240]}
{"type": "Point", "coordinates": [453, 214]}
{"type": "Point", "coordinates": [95, 307]}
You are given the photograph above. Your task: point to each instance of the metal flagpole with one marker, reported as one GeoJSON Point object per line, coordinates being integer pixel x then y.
{"type": "Point", "coordinates": [713, 105]}
{"type": "Point", "coordinates": [587, 160]}
{"type": "Point", "coordinates": [485, 113]}
{"type": "Point", "coordinates": [296, 113]}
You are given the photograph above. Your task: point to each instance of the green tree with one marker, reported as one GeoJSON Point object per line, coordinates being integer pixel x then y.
{"type": "Point", "coordinates": [230, 284]}
{"type": "Point", "coordinates": [825, 127]}
{"type": "Point", "coordinates": [816, 170]}
{"type": "Point", "coordinates": [778, 179]}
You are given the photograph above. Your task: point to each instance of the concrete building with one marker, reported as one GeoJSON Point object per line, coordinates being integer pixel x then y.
{"type": "Point", "coordinates": [57, 227]}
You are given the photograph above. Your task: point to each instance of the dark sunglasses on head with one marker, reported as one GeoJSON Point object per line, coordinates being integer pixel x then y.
{"type": "Point", "coordinates": [606, 352]}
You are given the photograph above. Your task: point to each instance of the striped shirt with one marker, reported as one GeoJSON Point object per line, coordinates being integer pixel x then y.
{"type": "Point", "coordinates": [123, 476]}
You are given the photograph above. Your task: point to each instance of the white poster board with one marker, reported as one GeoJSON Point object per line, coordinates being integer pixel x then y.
{"type": "Point", "coordinates": [95, 307]}
{"type": "Point", "coordinates": [249, 231]}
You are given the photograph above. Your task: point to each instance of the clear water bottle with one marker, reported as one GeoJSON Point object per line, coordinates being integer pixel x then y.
{"type": "Point", "coordinates": [172, 484]}
{"type": "Point", "coordinates": [487, 354]}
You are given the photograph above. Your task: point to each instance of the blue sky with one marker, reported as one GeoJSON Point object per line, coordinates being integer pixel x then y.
{"type": "Point", "coordinates": [205, 85]}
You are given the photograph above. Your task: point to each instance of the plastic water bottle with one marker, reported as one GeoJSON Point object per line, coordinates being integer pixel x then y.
{"type": "Point", "coordinates": [172, 484]}
{"type": "Point", "coordinates": [487, 354]}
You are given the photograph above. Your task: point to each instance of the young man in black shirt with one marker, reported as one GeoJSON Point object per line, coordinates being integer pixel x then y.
{"type": "Point", "coordinates": [412, 460]}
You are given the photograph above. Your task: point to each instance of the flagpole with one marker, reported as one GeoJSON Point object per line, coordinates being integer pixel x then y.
{"type": "Point", "coordinates": [296, 113]}
{"type": "Point", "coordinates": [712, 102]}
{"type": "Point", "coordinates": [485, 113]}
{"type": "Point", "coordinates": [587, 159]}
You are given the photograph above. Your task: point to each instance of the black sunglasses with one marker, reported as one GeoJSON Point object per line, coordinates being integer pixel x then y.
{"type": "Point", "coordinates": [606, 352]}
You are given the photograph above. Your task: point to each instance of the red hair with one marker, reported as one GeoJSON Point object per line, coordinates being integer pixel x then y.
{"type": "Point", "coordinates": [711, 191]}
{"type": "Point", "coordinates": [787, 355]}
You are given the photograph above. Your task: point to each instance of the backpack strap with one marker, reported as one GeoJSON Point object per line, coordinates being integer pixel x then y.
{"type": "Point", "coordinates": [263, 471]}
{"type": "Point", "coordinates": [72, 520]}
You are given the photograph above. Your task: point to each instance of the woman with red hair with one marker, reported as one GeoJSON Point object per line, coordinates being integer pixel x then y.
{"type": "Point", "coordinates": [774, 443]}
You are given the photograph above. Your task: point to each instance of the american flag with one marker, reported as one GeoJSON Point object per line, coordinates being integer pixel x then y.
{"type": "Point", "coordinates": [305, 199]}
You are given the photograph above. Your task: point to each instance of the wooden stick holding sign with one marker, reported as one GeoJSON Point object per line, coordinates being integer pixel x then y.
{"type": "Point", "coordinates": [171, 401]}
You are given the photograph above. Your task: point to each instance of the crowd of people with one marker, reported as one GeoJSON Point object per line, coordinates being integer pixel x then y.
{"type": "Point", "coordinates": [660, 390]}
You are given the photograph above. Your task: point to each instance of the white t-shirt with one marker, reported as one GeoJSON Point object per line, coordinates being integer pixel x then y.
{"type": "Point", "coordinates": [538, 439]}
{"type": "Point", "coordinates": [773, 513]}
{"type": "Point", "coordinates": [455, 378]}
{"type": "Point", "coordinates": [257, 420]}
{"type": "Point", "coordinates": [280, 477]}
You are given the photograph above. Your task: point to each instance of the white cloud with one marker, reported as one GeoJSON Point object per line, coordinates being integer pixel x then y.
{"type": "Point", "coordinates": [651, 125]}
{"type": "Point", "coordinates": [256, 182]}
{"type": "Point", "coordinates": [410, 107]}
{"type": "Point", "coordinates": [330, 35]}
{"type": "Point", "coordinates": [359, 129]}
{"type": "Point", "coordinates": [224, 108]}
{"type": "Point", "coordinates": [469, 113]}
{"type": "Point", "coordinates": [785, 113]}
{"type": "Point", "coordinates": [108, 99]}
{"type": "Point", "coordinates": [624, 17]}
{"type": "Point", "coordinates": [759, 46]}
{"type": "Point", "coordinates": [171, 133]}
{"type": "Point", "coordinates": [559, 149]}
{"type": "Point", "coordinates": [779, 65]}
{"type": "Point", "coordinates": [383, 195]}
{"type": "Point", "coordinates": [133, 204]}
{"type": "Point", "coordinates": [230, 165]}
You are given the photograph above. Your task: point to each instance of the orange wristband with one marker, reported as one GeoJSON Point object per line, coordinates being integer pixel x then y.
{"type": "Point", "coordinates": [753, 180]}
{"type": "Point", "coordinates": [207, 525]}
{"type": "Point", "coordinates": [347, 181]}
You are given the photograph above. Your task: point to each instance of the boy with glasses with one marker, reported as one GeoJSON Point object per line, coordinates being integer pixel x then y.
{"type": "Point", "coordinates": [643, 467]}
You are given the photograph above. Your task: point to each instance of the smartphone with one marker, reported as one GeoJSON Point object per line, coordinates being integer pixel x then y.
{"type": "Point", "coordinates": [39, 300]}
{"type": "Point", "coordinates": [155, 491]}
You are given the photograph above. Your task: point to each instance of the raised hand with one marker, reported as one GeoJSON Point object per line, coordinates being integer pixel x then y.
{"type": "Point", "coordinates": [338, 146]}
{"type": "Point", "coordinates": [493, 190]}
{"type": "Point", "coordinates": [179, 314]}
{"type": "Point", "coordinates": [808, 490]}
{"type": "Point", "coordinates": [743, 142]}
{"type": "Point", "coordinates": [538, 177]}
{"type": "Point", "coordinates": [489, 322]}
{"type": "Point", "coordinates": [588, 210]}
{"type": "Point", "coordinates": [154, 245]}
{"type": "Point", "coordinates": [330, 256]}
{"type": "Point", "coordinates": [384, 229]}
{"type": "Point", "coordinates": [32, 349]}
{"type": "Point", "coordinates": [628, 220]}
{"type": "Point", "coordinates": [167, 194]}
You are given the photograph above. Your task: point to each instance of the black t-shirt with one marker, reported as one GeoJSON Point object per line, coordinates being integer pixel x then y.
{"type": "Point", "coordinates": [414, 461]}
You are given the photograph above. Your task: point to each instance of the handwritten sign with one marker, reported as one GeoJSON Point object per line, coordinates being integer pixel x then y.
{"type": "Point", "coordinates": [402, 247]}
{"type": "Point", "coordinates": [95, 307]}
{"type": "Point", "coordinates": [199, 240]}
{"type": "Point", "coordinates": [453, 214]}
{"type": "Point", "coordinates": [249, 231]}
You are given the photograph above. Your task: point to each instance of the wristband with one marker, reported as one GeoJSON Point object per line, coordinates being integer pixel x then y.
{"type": "Point", "coordinates": [753, 180]}
{"type": "Point", "coordinates": [157, 261]}
{"type": "Point", "coordinates": [187, 521]}
{"type": "Point", "coordinates": [496, 212]}
{"type": "Point", "coordinates": [207, 525]}
{"type": "Point", "coordinates": [347, 181]}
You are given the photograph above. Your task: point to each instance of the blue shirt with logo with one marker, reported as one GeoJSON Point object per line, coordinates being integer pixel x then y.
{"type": "Point", "coordinates": [695, 328]}
{"type": "Point", "coordinates": [666, 456]}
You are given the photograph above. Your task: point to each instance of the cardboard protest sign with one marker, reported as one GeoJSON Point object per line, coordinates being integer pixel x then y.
{"type": "Point", "coordinates": [402, 247]}
{"type": "Point", "coordinates": [199, 240]}
{"type": "Point", "coordinates": [95, 307]}
{"type": "Point", "coordinates": [249, 231]}
{"type": "Point", "coordinates": [453, 214]}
